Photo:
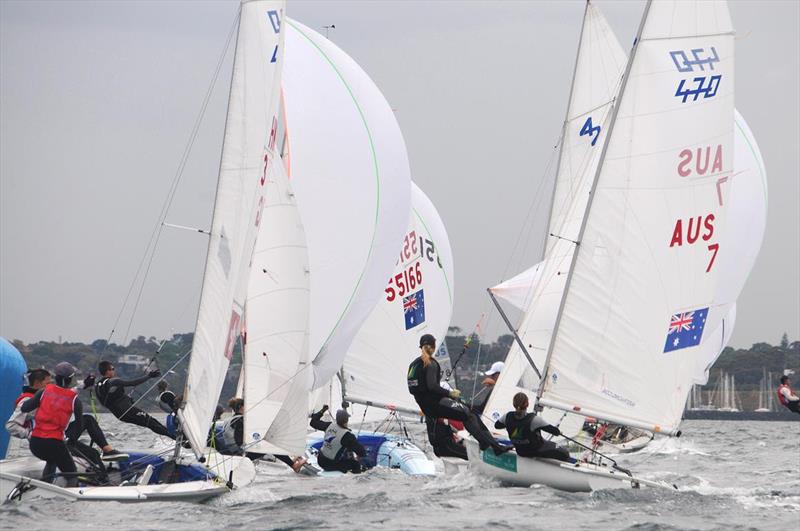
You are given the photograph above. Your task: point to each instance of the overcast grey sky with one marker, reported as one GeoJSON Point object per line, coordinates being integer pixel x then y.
{"type": "Point", "coordinates": [97, 100]}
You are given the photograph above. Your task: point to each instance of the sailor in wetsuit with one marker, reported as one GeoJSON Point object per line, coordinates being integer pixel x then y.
{"type": "Point", "coordinates": [110, 392]}
{"type": "Point", "coordinates": [424, 375]}
{"type": "Point", "coordinates": [524, 431]}
{"type": "Point", "coordinates": [338, 444]}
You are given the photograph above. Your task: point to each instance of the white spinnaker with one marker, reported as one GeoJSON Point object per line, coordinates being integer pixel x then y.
{"type": "Point", "coordinates": [252, 110]}
{"type": "Point", "coordinates": [640, 263]}
{"type": "Point", "coordinates": [276, 351]}
{"type": "Point", "coordinates": [377, 361]}
{"type": "Point", "coordinates": [350, 171]}
{"type": "Point", "coordinates": [598, 70]}
{"type": "Point", "coordinates": [747, 220]}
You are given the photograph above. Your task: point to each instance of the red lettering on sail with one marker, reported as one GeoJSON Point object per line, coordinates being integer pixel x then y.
{"type": "Point", "coordinates": [700, 161]}
{"type": "Point", "coordinates": [714, 247]}
{"type": "Point", "coordinates": [233, 334]}
{"type": "Point", "coordinates": [693, 229]}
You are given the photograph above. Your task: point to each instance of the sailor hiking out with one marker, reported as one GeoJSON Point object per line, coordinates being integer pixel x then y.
{"type": "Point", "coordinates": [424, 377]}
{"type": "Point", "coordinates": [110, 391]}
{"type": "Point", "coordinates": [339, 443]}
{"type": "Point", "coordinates": [524, 430]}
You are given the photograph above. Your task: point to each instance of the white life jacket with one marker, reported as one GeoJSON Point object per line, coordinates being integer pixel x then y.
{"type": "Point", "coordinates": [332, 443]}
{"type": "Point", "coordinates": [224, 430]}
{"type": "Point", "coordinates": [20, 424]}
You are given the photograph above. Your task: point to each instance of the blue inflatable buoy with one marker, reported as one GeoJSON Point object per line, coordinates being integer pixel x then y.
{"type": "Point", "coordinates": [12, 372]}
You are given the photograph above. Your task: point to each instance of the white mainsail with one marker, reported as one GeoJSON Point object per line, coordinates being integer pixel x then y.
{"type": "Point", "coordinates": [276, 349]}
{"type": "Point", "coordinates": [250, 124]}
{"type": "Point", "coordinates": [745, 232]}
{"type": "Point", "coordinates": [642, 286]}
{"type": "Point", "coordinates": [598, 71]}
{"type": "Point", "coordinates": [417, 299]}
{"type": "Point", "coordinates": [349, 168]}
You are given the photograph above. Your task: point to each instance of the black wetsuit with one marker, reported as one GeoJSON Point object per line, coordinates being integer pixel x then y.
{"type": "Point", "coordinates": [441, 438]}
{"type": "Point", "coordinates": [111, 393]}
{"type": "Point", "coordinates": [54, 452]}
{"type": "Point", "coordinates": [349, 443]}
{"type": "Point", "coordinates": [435, 401]}
{"type": "Point", "coordinates": [524, 432]}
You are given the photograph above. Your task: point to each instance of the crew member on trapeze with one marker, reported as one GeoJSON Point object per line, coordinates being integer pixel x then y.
{"type": "Point", "coordinates": [110, 391]}
{"type": "Point", "coordinates": [786, 397]}
{"type": "Point", "coordinates": [424, 375]}
{"type": "Point", "coordinates": [524, 430]}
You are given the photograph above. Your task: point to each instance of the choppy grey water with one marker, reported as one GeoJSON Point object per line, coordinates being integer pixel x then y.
{"type": "Point", "coordinates": [731, 475]}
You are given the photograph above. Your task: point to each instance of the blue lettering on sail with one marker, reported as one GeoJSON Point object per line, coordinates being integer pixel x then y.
{"type": "Point", "coordinates": [684, 64]}
{"type": "Point", "coordinates": [593, 132]}
{"type": "Point", "coordinates": [708, 90]}
{"type": "Point", "coordinates": [274, 54]}
{"type": "Point", "coordinates": [275, 20]}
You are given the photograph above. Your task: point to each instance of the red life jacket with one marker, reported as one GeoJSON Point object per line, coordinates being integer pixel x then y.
{"type": "Point", "coordinates": [782, 399]}
{"type": "Point", "coordinates": [54, 413]}
{"type": "Point", "coordinates": [22, 397]}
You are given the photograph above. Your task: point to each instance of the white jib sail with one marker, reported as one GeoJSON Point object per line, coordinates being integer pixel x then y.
{"type": "Point", "coordinates": [350, 171]}
{"type": "Point", "coordinates": [276, 349]}
{"type": "Point", "coordinates": [250, 125]}
{"type": "Point", "coordinates": [417, 300]}
{"type": "Point", "coordinates": [598, 71]}
{"type": "Point", "coordinates": [643, 285]}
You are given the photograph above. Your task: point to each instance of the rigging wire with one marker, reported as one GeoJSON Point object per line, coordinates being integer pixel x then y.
{"type": "Point", "coordinates": [150, 249]}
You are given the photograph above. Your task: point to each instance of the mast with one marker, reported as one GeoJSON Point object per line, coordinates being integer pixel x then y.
{"type": "Point", "coordinates": [598, 170]}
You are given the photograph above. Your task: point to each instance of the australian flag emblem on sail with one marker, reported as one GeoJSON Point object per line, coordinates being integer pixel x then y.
{"type": "Point", "coordinates": [685, 329]}
{"type": "Point", "coordinates": [414, 309]}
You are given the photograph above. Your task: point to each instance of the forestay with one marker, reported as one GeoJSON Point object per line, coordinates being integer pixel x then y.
{"type": "Point", "coordinates": [598, 70]}
{"type": "Point", "coordinates": [642, 287]}
{"type": "Point", "coordinates": [247, 149]}
{"type": "Point", "coordinates": [276, 349]}
{"type": "Point", "coordinates": [417, 300]}
{"type": "Point", "coordinates": [349, 169]}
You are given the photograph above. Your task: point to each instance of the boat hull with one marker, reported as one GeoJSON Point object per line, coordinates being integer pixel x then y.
{"type": "Point", "coordinates": [387, 451]}
{"type": "Point", "coordinates": [511, 469]}
{"type": "Point", "coordinates": [23, 473]}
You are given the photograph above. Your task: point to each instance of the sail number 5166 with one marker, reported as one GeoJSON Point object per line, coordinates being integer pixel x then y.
{"type": "Point", "coordinates": [404, 282]}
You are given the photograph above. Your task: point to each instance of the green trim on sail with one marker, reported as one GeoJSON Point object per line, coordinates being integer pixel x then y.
{"type": "Point", "coordinates": [377, 174]}
{"type": "Point", "coordinates": [756, 154]}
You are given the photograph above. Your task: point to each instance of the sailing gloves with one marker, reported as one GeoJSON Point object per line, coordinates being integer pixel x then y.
{"type": "Point", "coordinates": [455, 394]}
{"type": "Point", "coordinates": [88, 381]}
{"type": "Point", "coordinates": [154, 374]}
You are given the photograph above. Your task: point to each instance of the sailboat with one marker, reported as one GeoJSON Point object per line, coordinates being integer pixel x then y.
{"type": "Point", "coordinates": [418, 299]}
{"type": "Point", "coordinates": [248, 160]}
{"type": "Point", "coordinates": [343, 198]}
{"type": "Point", "coordinates": [635, 288]}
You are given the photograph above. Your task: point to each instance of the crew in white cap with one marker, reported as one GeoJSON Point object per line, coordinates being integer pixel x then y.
{"type": "Point", "coordinates": [482, 397]}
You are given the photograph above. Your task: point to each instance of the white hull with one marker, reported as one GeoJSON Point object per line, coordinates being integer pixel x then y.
{"type": "Point", "coordinates": [526, 471]}
{"type": "Point", "coordinates": [395, 452]}
{"type": "Point", "coordinates": [24, 473]}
